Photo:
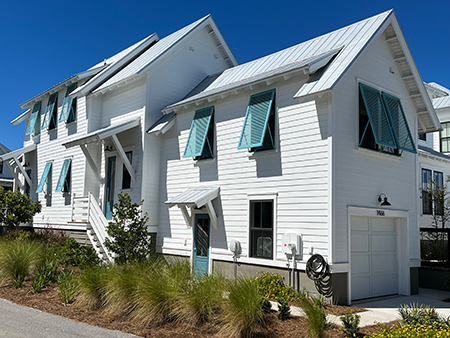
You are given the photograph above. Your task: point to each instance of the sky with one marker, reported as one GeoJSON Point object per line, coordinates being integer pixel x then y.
{"type": "Point", "coordinates": [45, 42]}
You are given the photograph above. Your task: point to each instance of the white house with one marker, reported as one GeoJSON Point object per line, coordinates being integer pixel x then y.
{"type": "Point", "coordinates": [6, 178]}
{"type": "Point", "coordinates": [305, 146]}
{"type": "Point", "coordinates": [292, 155]}
{"type": "Point", "coordinates": [85, 137]}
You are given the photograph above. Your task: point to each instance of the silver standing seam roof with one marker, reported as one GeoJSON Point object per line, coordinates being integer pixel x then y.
{"type": "Point", "coordinates": [197, 197]}
{"type": "Point", "coordinates": [346, 42]}
{"type": "Point", "coordinates": [441, 102]}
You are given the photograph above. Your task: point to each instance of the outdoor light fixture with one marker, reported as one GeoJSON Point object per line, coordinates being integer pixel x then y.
{"type": "Point", "coordinates": [108, 147]}
{"type": "Point", "coordinates": [383, 198]}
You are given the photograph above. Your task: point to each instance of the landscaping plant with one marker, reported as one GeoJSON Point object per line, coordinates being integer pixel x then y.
{"type": "Point", "coordinates": [315, 316]}
{"type": "Point", "coordinates": [67, 286]}
{"type": "Point", "coordinates": [129, 239]}
{"type": "Point", "coordinates": [271, 285]}
{"type": "Point", "coordinates": [242, 310]}
{"type": "Point", "coordinates": [412, 331]}
{"type": "Point", "coordinates": [92, 286]}
{"type": "Point", "coordinates": [46, 273]}
{"type": "Point", "coordinates": [350, 324]}
{"type": "Point", "coordinates": [16, 208]}
{"type": "Point", "coordinates": [284, 310]}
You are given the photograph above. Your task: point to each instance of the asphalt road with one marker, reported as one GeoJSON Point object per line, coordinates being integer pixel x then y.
{"type": "Point", "coordinates": [17, 321]}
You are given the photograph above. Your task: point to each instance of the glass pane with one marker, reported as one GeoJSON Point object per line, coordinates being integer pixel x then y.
{"type": "Point", "coordinates": [202, 243]}
{"type": "Point", "coordinates": [256, 215]}
{"type": "Point", "coordinates": [261, 245]}
{"type": "Point", "coordinates": [267, 214]}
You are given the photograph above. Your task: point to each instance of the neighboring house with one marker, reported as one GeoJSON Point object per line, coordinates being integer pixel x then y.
{"type": "Point", "coordinates": [6, 178]}
{"type": "Point", "coordinates": [310, 141]}
{"type": "Point", "coordinates": [434, 152]}
{"type": "Point", "coordinates": [85, 137]}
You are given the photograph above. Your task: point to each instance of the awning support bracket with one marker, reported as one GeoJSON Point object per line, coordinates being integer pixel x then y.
{"type": "Point", "coordinates": [91, 162]}
{"type": "Point", "coordinates": [124, 157]}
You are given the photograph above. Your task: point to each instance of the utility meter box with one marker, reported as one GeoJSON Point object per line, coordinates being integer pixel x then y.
{"type": "Point", "coordinates": [291, 244]}
{"type": "Point", "coordinates": [235, 247]}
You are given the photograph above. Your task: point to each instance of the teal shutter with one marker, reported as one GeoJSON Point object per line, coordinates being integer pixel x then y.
{"type": "Point", "coordinates": [44, 177]}
{"type": "Point", "coordinates": [67, 103]}
{"type": "Point", "coordinates": [399, 124]}
{"type": "Point", "coordinates": [33, 118]}
{"type": "Point", "coordinates": [378, 117]}
{"type": "Point", "coordinates": [49, 110]}
{"type": "Point", "coordinates": [199, 130]}
{"type": "Point", "coordinates": [256, 118]}
{"type": "Point", "coordinates": [63, 175]}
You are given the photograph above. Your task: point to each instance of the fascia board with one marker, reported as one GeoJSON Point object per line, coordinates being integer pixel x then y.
{"type": "Point", "coordinates": [117, 66]}
{"type": "Point", "coordinates": [21, 117]}
{"type": "Point", "coordinates": [223, 42]}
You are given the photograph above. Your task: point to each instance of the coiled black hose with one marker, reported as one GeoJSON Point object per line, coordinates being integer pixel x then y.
{"type": "Point", "coordinates": [317, 268]}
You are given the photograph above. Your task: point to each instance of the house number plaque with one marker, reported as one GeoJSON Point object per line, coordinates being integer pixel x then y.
{"type": "Point", "coordinates": [380, 213]}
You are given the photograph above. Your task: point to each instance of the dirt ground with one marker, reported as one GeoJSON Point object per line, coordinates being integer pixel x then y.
{"type": "Point", "coordinates": [48, 301]}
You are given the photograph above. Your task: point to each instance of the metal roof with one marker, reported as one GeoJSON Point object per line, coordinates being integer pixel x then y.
{"type": "Point", "coordinates": [4, 149]}
{"type": "Point", "coordinates": [438, 86]}
{"type": "Point", "coordinates": [433, 152]}
{"type": "Point", "coordinates": [197, 197]}
{"type": "Point", "coordinates": [18, 152]}
{"type": "Point", "coordinates": [441, 102]}
{"type": "Point", "coordinates": [348, 40]}
{"type": "Point", "coordinates": [143, 61]}
{"type": "Point", "coordinates": [103, 133]}
{"type": "Point", "coordinates": [162, 124]}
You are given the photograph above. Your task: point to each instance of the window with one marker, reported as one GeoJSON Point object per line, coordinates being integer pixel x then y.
{"type": "Point", "coordinates": [126, 177]}
{"type": "Point", "coordinates": [1, 167]}
{"type": "Point", "coordinates": [69, 106]}
{"type": "Point", "coordinates": [64, 181]}
{"type": "Point", "coordinates": [50, 121]}
{"type": "Point", "coordinates": [427, 202]}
{"type": "Point", "coordinates": [27, 186]}
{"type": "Point", "coordinates": [439, 197]}
{"type": "Point", "coordinates": [382, 122]}
{"type": "Point", "coordinates": [46, 179]}
{"type": "Point", "coordinates": [200, 143]}
{"type": "Point", "coordinates": [261, 229]}
{"type": "Point", "coordinates": [423, 136]}
{"type": "Point", "coordinates": [35, 120]}
{"type": "Point", "coordinates": [445, 137]}
{"type": "Point", "coordinates": [258, 132]}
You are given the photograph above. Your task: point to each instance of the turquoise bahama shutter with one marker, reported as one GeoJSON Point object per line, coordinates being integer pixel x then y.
{"type": "Point", "coordinates": [67, 103]}
{"type": "Point", "coordinates": [49, 110]}
{"type": "Point", "coordinates": [399, 124]}
{"type": "Point", "coordinates": [63, 175]}
{"type": "Point", "coordinates": [256, 119]}
{"type": "Point", "coordinates": [199, 130]}
{"type": "Point", "coordinates": [44, 177]}
{"type": "Point", "coordinates": [378, 117]}
{"type": "Point", "coordinates": [33, 118]}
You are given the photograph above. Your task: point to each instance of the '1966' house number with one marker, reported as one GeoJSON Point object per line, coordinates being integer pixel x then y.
{"type": "Point", "coordinates": [380, 213]}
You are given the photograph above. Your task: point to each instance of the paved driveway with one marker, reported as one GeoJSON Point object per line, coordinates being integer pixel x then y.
{"type": "Point", "coordinates": [17, 321]}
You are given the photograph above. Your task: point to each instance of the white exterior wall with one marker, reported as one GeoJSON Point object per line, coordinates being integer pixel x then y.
{"type": "Point", "coordinates": [169, 80]}
{"type": "Point", "coordinates": [297, 175]}
{"type": "Point", "coordinates": [360, 175]}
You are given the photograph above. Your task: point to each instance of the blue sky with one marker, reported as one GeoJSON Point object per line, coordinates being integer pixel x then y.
{"type": "Point", "coordinates": [44, 42]}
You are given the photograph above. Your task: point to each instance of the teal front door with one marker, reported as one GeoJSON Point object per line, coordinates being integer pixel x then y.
{"type": "Point", "coordinates": [110, 184]}
{"type": "Point", "coordinates": [201, 244]}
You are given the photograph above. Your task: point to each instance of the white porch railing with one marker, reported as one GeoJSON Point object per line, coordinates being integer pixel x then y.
{"type": "Point", "coordinates": [86, 209]}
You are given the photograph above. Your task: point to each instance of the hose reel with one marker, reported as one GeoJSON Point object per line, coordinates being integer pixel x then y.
{"type": "Point", "coordinates": [317, 268]}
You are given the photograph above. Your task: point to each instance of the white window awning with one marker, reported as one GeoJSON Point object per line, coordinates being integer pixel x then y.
{"type": "Point", "coordinates": [13, 158]}
{"type": "Point", "coordinates": [17, 153]}
{"type": "Point", "coordinates": [196, 198]}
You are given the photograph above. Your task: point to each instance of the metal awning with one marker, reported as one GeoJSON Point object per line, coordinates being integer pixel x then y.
{"type": "Point", "coordinates": [103, 133]}
{"type": "Point", "coordinates": [13, 158]}
{"type": "Point", "coordinates": [196, 198]}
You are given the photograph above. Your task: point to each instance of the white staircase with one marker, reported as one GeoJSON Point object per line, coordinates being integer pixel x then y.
{"type": "Point", "coordinates": [86, 210]}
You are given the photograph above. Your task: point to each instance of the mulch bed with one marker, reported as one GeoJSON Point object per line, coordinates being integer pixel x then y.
{"type": "Point", "coordinates": [48, 300]}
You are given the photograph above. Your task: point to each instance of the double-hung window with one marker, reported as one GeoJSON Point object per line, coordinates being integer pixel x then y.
{"type": "Point", "coordinates": [258, 132]}
{"type": "Point", "coordinates": [445, 137]}
{"type": "Point", "coordinates": [383, 125]}
{"type": "Point", "coordinates": [427, 201]}
{"type": "Point", "coordinates": [64, 181]}
{"type": "Point", "coordinates": [126, 177]}
{"type": "Point", "coordinates": [35, 120]}
{"type": "Point", "coordinates": [46, 179]}
{"type": "Point", "coordinates": [261, 228]}
{"type": "Point", "coordinates": [439, 197]}
{"type": "Point", "coordinates": [200, 143]}
{"type": "Point", "coordinates": [69, 106]}
{"type": "Point", "coordinates": [50, 118]}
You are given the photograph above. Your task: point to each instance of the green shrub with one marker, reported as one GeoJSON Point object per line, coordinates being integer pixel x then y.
{"type": "Point", "coordinates": [266, 305]}
{"type": "Point", "coordinates": [67, 286]}
{"type": "Point", "coordinates": [271, 286]}
{"type": "Point", "coordinates": [315, 315]}
{"type": "Point", "coordinates": [243, 309]}
{"type": "Point", "coordinates": [130, 241]}
{"type": "Point", "coordinates": [412, 331]}
{"type": "Point", "coordinates": [16, 208]}
{"type": "Point", "coordinates": [284, 310]}
{"type": "Point", "coordinates": [350, 324]}
{"type": "Point", "coordinates": [92, 286]}
{"type": "Point", "coordinates": [200, 300]}
{"type": "Point", "coordinates": [70, 253]}
{"type": "Point", "coordinates": [414, 314]}
{"type": "Point", "coordinates": [19, 259]}
{"type": "Point", "coordinates": [46, 273]}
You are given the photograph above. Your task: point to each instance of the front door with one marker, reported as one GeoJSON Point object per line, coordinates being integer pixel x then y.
{"type": "Point", "coordinates": [201, 244]}
{"type": "Point", "coordinates": [110, 184]}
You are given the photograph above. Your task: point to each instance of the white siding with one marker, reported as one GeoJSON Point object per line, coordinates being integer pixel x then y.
{"type": "Point", "coordinates": [360, 175]}
{"type": "Point", "coordinates": [297, 174]}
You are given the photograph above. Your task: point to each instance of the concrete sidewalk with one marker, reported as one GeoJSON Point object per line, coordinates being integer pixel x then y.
{"type": "Point", "coordinates": [384, 310]}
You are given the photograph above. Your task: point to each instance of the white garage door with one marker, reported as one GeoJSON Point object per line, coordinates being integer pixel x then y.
{"type": "Point", "coordinates": [374, 257]}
